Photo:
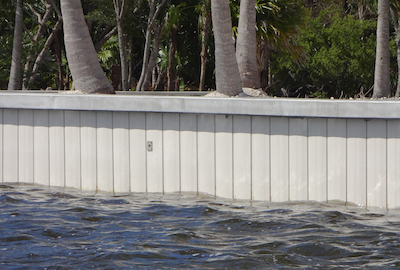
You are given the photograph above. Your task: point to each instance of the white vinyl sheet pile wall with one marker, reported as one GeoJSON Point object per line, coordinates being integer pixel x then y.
{"type": "Point", "coordinates": [255, 149]}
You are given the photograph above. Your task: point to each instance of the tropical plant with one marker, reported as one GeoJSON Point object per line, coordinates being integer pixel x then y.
{"type": "Point", "coordinates": [85, 68]}
{"type": "Point", "coordinates": [339, 57]}
{"type": "Point", "coordinates": [382, 62]}
{"type": "Point", "coordinates": [246, 45]}
{"type": "Point", "coordinates": [15, 81]}
{"type": "Point", "coordinates": [228, 80]}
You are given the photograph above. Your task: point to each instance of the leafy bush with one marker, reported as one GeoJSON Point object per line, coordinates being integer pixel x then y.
{"type": "Point", "coordinates": [339, 57]}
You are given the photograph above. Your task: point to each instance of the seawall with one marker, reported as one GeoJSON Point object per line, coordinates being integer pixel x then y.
{"type": "Point", "coordinates": [240, 148]}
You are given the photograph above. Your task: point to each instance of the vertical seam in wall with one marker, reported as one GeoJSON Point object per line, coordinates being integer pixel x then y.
{"type": "Point", "coordinates": [33, 146]}
{"type": "Point", "coordinates": [145, 151]}
{"type": "Point", "coordinates": [80, 150]}
{"type": "Point", "coordinates": [2, 142]}
{"type": "Point", "coordinates": [347, 161]}
{"type": "Point", "coordinates": [18, 141]}
{"type": "Point", "coordinates": [112, 151]}
{"type": "Point", "coordinates": [233, 156]}
{"type": "Point", "coordinates": [129, 151]}
{"type": "Point", "coordinates": [269, 159]}
{"type": "Point", "coordinates": [48, 146]}
{"type": "Point", "coordinates": [2, 145]}
{"type": "Point", "coordinates": [251, 157]}
{"type": "Point", "coordinates": [180, 153]}
{"type": "Point", "coordinates": [366, 164]}
{"type": "Point", "coordinates": [197, 154]}
{"type": "Point", "coordinates": [326, 161]}
{"type": "Point", "coordinates": [96, 154]}
{"type": "Point", "coordinates": [387, 162]}
{"type": "Point", "coordinates": [308, 158]}
{"type": "Point", "coordinates": [288, 156]}
{"type": "Point", "coordinates": [63, 141]}
{"type": "Point", "coordinates": [215, 156]}
{"type": "Point", "coordinates": [162, 154]}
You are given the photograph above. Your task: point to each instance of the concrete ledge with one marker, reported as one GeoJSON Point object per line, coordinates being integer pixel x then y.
{"type": "Point", "coordinates": [367, 109]}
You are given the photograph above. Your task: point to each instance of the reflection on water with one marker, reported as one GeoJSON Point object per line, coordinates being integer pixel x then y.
{"type": "Point", "coordinates": [67, 229]}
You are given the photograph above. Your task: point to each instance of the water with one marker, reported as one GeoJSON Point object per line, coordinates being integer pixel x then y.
{"type": "Point", "coordinates": [43, 228]}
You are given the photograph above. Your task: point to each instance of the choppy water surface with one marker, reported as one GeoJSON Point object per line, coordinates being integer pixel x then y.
{"type": "Point", "coordinates": [65, 229]}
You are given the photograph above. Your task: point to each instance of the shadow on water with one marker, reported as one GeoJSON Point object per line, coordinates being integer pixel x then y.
{"type": "Point", "coordinates": [67, 229]}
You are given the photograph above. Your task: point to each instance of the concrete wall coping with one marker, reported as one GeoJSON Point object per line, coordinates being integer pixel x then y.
{"type": "Point", "coordinates": [368, 109]}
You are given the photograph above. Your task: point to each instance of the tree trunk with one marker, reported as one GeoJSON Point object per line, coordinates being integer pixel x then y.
{"type": "Point", "coordinates": [119, 11]}
{"type": "Point", "coordinates": [42, 21]}
{"type": "Point", "coordinates": [85, 68]}
{"type": "Point", "coordinates": [246, 46]}
{"type": "Point", "coordinates": [15, 82]}
{"type": "Point", "coordinates": [153, 56]}
{"type": "Point", "coordinates": [226, 68]}
{"type": "Point", "coordinates": [146, 54]}
{"type": "Point", "coordinates": [109, 32]}
{"type": "Point", "coordinates": [263, 65]}
{"type": "Point", "coordinates": [396, 22]}
{"type": "Point", "coordinates": [58, 55]}
{"type": "Point", "coordinates": [382, 62]}
{"type": "Point", "coordinates": [171, 84]}
{"type": "Point", "coordinates": [205, 36]}
{"type": "Point", "coordinates": [46, 47]}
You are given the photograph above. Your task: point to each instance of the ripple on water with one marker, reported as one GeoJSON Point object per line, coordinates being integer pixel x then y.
{"type": "Point", "coordinates": [64, 229]}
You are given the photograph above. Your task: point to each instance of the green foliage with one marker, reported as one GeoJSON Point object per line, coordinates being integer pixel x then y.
{"type": "Point", "coordinates": [340, 56]}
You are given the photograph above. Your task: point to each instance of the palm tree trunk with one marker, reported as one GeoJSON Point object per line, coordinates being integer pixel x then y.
{"type": "Point", "coordinates": [226, 68]}
{"type": "Point", "coordinates": [395, 13]}
{"type": "Point", "coordinates": [246, 46]}
{"type": "Point", "coordinates": [205, 36]}
{"type": "Point", "coordinates": [382, 62]}
{"type": "Point", "coordinates": [15, 82]}
{"type": "Point", "coordinates": [84, 65]}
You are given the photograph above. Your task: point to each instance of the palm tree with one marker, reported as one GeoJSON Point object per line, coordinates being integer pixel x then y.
{"type": "Point", "coordinates": [395, 12]}
{"type": "Point", "coordinates": [226, 68]}
{"type": "Point", "coordinates": [277, 26]}
{"type": "Point", "coordinates": [85, 68]}
{"type": "Point", "coordinates": [246, 45]}
{"type": "Point", "coordinates": [205, 22]}
{"type": "Point", "coordinates": [174, 18]}
{"type": "Point", "coordinates": [15, 82]}
{"type": "Point", "coordinates": [382, 62]}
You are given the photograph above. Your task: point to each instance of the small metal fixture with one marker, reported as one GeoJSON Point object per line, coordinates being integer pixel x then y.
{"type": "Point", "coordinates": [149, 146]}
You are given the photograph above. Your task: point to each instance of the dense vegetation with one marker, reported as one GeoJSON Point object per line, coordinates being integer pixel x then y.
{"type": "Point", "coordinates": [305, 47]}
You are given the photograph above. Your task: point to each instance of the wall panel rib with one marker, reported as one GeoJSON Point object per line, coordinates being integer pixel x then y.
{"type": "Point", "coordinates": [357, 161]}
{"type": "Point", "coordinates": [57, 148]}
{"type": "Point", "coordinates": [376, 163]}
{"type": "Point", "coordinates": [260, 158]}
{"type": "Point", "coordinates": [242, 158]}
{"type": "Point", "coordinates": [171, 154]}
{"type": "Point", "coordinates": [41, 147]}
{"type": "Point", "coordinates": [89, 150]}
{"type": "Point", "coordinates": [206, 153]}
{"type": "Point", "coordinates": [298, 159]}
{"type": "Point", "coordinates": [121, 152]}
{"type": "Point", "coordinates": [25, 146]}
{"type": "Point", "coordinates": [188, 152]}
{"type": "Point", "coordinates": [224, 156]}
{"type": "Point", "coordinates": [72, 149]}
{"type": "Point", "coordinates": [279, 159]}
{"type": "Point", "coordinates": [337, 159]}
{"type": "Point", "coordinates": [317, 159]}
{"type": "Point", "coordinates": [10, 146]}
